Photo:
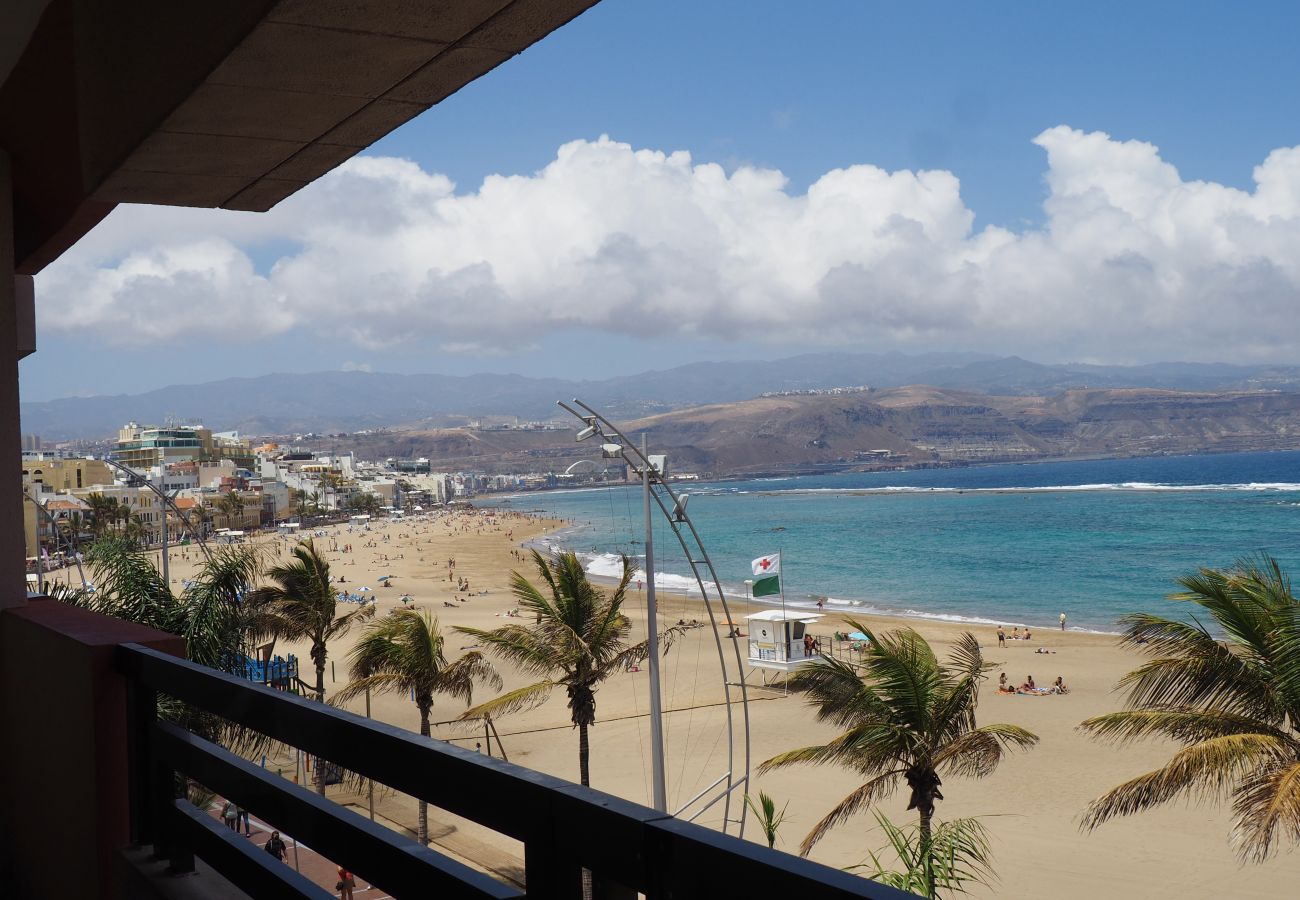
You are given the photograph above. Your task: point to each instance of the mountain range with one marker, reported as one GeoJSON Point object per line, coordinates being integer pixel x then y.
{"type": "Point", "coordinates": [280, 404]}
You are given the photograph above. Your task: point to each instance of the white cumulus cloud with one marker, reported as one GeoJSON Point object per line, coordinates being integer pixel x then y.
{"type": "Point", "coordinates": [1131, 262]}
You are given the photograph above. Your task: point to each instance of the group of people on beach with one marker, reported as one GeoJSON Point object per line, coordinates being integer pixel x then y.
{"type": "Point", "coordinates": [1029, 688]}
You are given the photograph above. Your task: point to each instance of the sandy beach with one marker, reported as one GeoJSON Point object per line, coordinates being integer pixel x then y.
{"type": "Point", "coordinates": [1033, 802]}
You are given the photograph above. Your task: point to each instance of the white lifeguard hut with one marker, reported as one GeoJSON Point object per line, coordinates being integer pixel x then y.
{"type": "Point", "coordinates": [776, 639]}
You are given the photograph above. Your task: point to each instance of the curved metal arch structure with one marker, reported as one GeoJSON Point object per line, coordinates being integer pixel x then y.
{"type": "Point", "coordinates": [73, 544]}
{"type": "Point", "coordinates": [673, 506]}
{"type": "Point", "coordinates": [139, 480]}
{"type": "Point", "coordinates": [584, 465]}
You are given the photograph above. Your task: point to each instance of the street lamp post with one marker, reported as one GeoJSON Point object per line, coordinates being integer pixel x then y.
{"type": "Point", "coordinates": [652, 614]}
{"type": "Point", "coordinates": [656, 490]}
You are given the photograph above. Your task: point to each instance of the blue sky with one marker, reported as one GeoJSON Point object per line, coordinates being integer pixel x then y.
{"type": "Point", "coordinates": [804, 89]}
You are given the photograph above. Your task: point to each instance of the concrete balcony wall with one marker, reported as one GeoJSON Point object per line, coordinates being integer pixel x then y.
{"type": "Point", "coordinates": [64, 810]}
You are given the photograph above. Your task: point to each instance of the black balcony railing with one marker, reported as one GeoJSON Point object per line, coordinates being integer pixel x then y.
{"type": "Point", "coordinates": [564, 827]}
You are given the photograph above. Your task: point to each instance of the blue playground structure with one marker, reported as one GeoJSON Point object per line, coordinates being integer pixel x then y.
{"type": "Point", "coordinates": [278, 672]}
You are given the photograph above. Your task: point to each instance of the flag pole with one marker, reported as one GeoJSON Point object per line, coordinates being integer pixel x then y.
{"type": "Point", "coordinates": [785, 624]}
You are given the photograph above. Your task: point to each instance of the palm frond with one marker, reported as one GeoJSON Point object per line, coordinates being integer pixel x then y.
{"type": "Point", "coordinates": [379, 683]}
{"type": "Point", "coordinates": [958, 853]}
{"type": "Point", "coordinates": [518, 700]}
{"type": "Point", "coordinates": [1267, 802]}
{"type": "Point", "coordinates": [1209, 768]}
{"type": "Point", "coordinates": [862, 796]}
{"type": "Point", "coordinates": [978, 752]}
{"type": "Point", "coordinates": [1183, 724]}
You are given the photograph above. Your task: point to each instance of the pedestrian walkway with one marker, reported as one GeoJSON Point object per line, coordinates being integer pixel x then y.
{"type": "Point", "coordinates": [303, 859]}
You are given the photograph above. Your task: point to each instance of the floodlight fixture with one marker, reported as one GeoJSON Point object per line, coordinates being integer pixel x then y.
{"type": "Point", "coordinates": [611, 451]}
{"type": "Point", "coordinates": [587, 432]}
{"type": "Point", "coordinates": [679, 508]}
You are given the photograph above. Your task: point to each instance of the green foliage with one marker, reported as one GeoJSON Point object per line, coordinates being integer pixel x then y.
{"type": "Point", "coordinates": [955, 854]}
{"type": "Point", "coordinates": [366, 503]}
{"type": "Point", "coordinates": [301, 605]}
{"type": "Point", "coordinates": [405, 653]}
{"type": "Point", "coordinates": [210, 613]}
{"type": "Point", "coordinates": [909, 719]}
{"type": "Point", "coordinates": [214, 613]}
{"type": "Point", "coordinates": [1232, 702]}
{"type": "Point", "coordinates": [768, 818]}
{"type": "Point", "coordinates": [578, 639]}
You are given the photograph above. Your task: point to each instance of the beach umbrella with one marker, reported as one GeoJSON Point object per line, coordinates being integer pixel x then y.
{"type": "Point", "coordinates": [385, 577]}
{"type": "Point", "coordinates": [858, 636]}
{"type": "Point", "coordinates": [363, 590]}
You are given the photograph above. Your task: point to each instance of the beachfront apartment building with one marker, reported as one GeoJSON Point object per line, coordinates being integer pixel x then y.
{"type": "Point", "coordinates": [143, 447]}
{"type": "Point", "coordinates": [181, 476]}
{"type": "Point", "coordinates": [146, 507]}
{"type": "Point", "coordinates": [49, 520]}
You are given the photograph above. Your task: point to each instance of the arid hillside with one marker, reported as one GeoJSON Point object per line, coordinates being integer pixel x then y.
{"type": "Point", "coordinates": [910, 426]}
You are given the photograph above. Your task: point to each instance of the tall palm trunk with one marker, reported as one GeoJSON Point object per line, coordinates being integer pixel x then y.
{"type": "Point", "coordinates": [924, 782]}
{"type": "Point", "coordinates": [423, 828]}
{"type": "Point", "coordinates": [927, 850]}
{"type": "Point", "coordinates": [584, 757]}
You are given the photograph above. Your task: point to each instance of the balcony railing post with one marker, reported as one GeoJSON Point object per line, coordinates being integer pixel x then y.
{"type": "Point", "coordinates": [143, 711]}
{"type": "Point", "coordinates": [549, 871]}
{"type": "Point", "coordinates": [155, 788]}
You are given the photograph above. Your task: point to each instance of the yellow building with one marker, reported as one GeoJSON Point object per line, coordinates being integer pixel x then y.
{"type": "Point", "coordinates": [65, 474]}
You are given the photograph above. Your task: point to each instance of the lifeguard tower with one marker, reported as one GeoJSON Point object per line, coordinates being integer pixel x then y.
{"type": "Point", "coordinates": [776, 639]}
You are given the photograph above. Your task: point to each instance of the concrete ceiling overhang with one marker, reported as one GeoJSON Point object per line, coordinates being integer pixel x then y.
{"type": "Point", "coordinates": [234, 105]}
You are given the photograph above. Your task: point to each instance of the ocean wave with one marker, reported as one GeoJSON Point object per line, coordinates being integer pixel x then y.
{"type": "Point", "coordinates": [610, 565]}
{"type": "Point", "coordinates": [1136, 486]}
{"type": "Point", "coordinates": [868, 608]}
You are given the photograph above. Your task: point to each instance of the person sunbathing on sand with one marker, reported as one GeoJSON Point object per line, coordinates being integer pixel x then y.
{"type": "Point", "coordinates": [1015, 633]}
{"type": "Point", "coordinates": [1029, 687]}
{"type": "Point", "coordinates": [1058, 686]}
{"type": "Point", "coordinates": [1043, 650]}
{"type": "Point", "coordinates": [1003, 686]}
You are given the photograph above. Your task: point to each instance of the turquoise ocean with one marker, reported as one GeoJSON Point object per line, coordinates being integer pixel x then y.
{"type": "Point", "coordinates": [1010, 544]}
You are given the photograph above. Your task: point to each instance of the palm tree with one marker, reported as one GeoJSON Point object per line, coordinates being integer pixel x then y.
{"type": "Point", "coordinates": [1232, 701]}
{"type": "Point", "coordinates": [909, 719]}
{"type": "Point", "coordinates": [578, 640]}
{"type": "Point", "coordinates": [134, 531]}
{"type": "Point", "coordinates": [103, 512]}
{"type": "Point", "coordinates": [123, 514]}
{"type": "Point", "coordinates": [302, 606]}
{"type": "Point", "coordinates": [769, 820]}
{"type": "Point", "coordinates": [404, 653]}
{"type": "Point", "coordinates": [958, 853]}
{"type": "Point", "coordinates": [232, 506]}
{"type": "Point", "coordinates": [211, 613]}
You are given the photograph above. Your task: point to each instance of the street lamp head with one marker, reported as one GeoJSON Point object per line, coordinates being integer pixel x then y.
{"type": "Point", "coordinates": [679, 508]}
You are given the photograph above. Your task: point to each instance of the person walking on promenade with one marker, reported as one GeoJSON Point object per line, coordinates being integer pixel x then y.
{"type": "Point", "coordinates": [275, 846]}
{"type": "Point", "coordinates": [346, 884]}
